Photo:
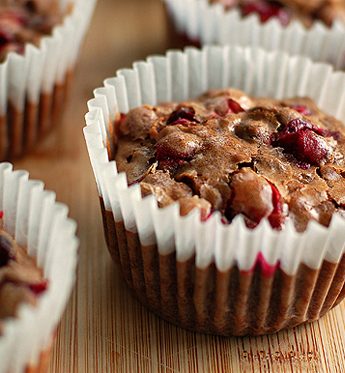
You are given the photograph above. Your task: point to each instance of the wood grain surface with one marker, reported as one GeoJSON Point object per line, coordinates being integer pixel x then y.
{"type": "Point", "coordinates": [104, 329]}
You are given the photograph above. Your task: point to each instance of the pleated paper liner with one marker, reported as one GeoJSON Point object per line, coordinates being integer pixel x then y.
{"type": "Point", "coordinates": [207, 276]}
{"type": "Point", "coordinates": [40, 225]}
{"type": "Point", "coordinates": [34, 86]}
{"type": "Point", "coordinates": [21, 131]}
{"type": "Point", "coordinates": [201, 22]}
{"type": "Point", "coordinates": [234, 302]}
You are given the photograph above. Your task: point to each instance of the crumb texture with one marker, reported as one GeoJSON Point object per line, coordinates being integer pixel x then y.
{"type": "Point", "coordinates": [228, 152]}
{"type": "Point", "coordinates": [21, 281]}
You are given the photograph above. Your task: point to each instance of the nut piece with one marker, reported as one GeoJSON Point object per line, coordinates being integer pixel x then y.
{"type": "Point", "coordinates": [252, 195]}
{"type": "Point", "coordinates": [138, 122]}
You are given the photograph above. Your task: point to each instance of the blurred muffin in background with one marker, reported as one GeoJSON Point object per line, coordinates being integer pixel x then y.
{"type": "Point", "coordinates": [286, 10]}
{"type": "Point", "coordinates": [24, 22]}
{"type": "Point", "coordinates": [39, 45]}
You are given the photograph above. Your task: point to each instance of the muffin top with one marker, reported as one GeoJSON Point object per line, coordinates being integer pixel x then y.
{"type": "Point", "coordinates": [228, 152]}
{"type": "Point", "coordinates": [24, 21]}
{"type": "Point", "coordinates": [286, 10]}
{"type": "Point", "coordinates": [20, 279]}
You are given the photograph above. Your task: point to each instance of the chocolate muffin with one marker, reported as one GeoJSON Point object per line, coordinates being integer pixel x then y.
{"type": "Point", "coordinates": [228, 152]}
{"type": "Point", "coordinates": [21, 281]}
{"type": "Point", "coordinates": [46, 36]}
{"type": "Point", "coordinates": [286, 10]}
{"type": "Point", "coordinates": [24, 21]}
{"type": "Point", "coordinates": [238, 162]}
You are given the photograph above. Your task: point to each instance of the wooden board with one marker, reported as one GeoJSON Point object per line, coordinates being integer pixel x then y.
{"type": "Point", "coordinates": [104, 329]}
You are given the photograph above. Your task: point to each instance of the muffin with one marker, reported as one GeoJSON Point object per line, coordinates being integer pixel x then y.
{"type": "Point", "coordinates": [285, 11]}
{"type": "Point", "coordinates": [224, 212]}
{"type": "Point", "coordinates": [39, 43]}
{"type": "Point", "coordinates": [38, 254]}
{"type": "Point", "coordinates": [296, 27]}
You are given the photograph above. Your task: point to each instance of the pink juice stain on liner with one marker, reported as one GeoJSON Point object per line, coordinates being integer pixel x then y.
{"type": "Point", "coordinates": [267, 270]}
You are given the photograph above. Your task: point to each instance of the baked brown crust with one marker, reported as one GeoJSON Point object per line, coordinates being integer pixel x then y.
{"type": "Point", "coordinates": [228, 152]}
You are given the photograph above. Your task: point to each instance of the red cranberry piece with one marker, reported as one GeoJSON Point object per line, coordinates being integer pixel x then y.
{"type": "Point", "coordinates": [303, 140]}
{"type": "Point", "coordinates": [302, 109]}
{"type": "Point", "coordinates": [296, 125]}
{"type": "Point", "coordinates": [326, 132]}
{"type": "Point", "coordinates": [39, 288]}
{"type": "Point", "coordinates": [276, 218]}
{"type": "Point", "coordinates": [228, 106]}
{"type": "Point", "coordinates": [311, 148]}
{"type": "Point", "coordinates": [1, 214]}
{"type": "Point", "coordinates": [182, 115]}
{"type": "Point", "coordinates": [224, 220]}
{"type": "Point", "coordinates": [300, 124]}
{"type": "Point", "coordinates": [234, 106]}
{"type": "Point", "coordinates": [266, 10]}
{"type": "Point", "coordinates": [6, 253]}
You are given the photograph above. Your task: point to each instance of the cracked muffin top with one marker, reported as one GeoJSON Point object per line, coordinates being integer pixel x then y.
{"type": "Point", "coordinates": [228, 152]}
{"type": "Point", "coordinates": [20, 279]}
{"type": "Point", "coordinates": [24, 21]}
{"type": "Point", "coordinates": [286, 10]}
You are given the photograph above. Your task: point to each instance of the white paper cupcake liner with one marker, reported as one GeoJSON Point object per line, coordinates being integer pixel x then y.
{"type": "Point", "coordinates": [177, 77]}
{"type": "Point", "coordinates": [25, 80]}
{"type": "Point", "coordinates": [40, 224]}
{"type": "Point", "coordinates": [213, 24]}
